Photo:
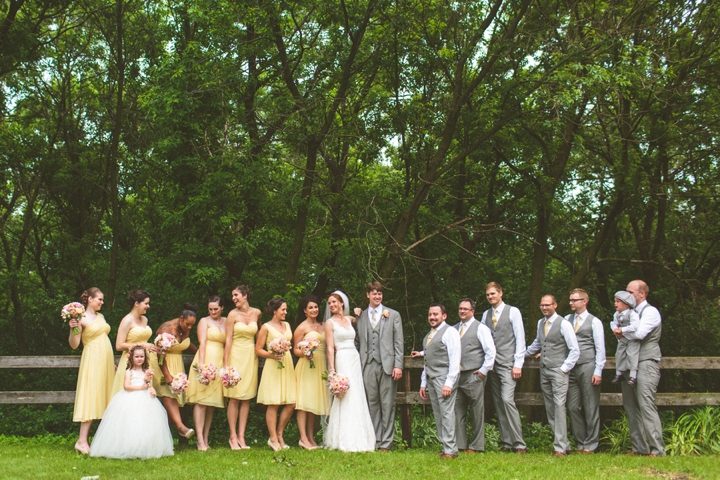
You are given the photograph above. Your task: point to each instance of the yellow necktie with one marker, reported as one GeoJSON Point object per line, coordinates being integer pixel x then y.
{"type": "Point", "coordinates": [374, 319]}
{"type": "Point", "coordinates": [430, 337]}
{"type": "Point", "coordinates": [462, 329]}
{"type": "Point", "coordinates": [547, 327]}
{"type": "Point", "coordinates": [494, 319]}
{"type": "Point", "coordinates": [577, 323]}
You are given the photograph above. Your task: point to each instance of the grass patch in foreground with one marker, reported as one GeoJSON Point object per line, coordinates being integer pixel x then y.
{"type": "Point", "coordinates": [31, 458]}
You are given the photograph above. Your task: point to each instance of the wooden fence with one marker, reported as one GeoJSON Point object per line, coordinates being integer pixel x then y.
{"type": "Point", "coordinates": [405, 399]}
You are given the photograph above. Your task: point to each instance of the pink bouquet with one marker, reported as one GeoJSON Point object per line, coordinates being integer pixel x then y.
{"type": "Point", "coordinates": [149, 374]}
{"type": "Point", "coordinates": [279, 346]}
{"type": "Point", "coordinates": [229, 376]}
{"type": "Point", "coordinates": [72, 311]}
{"type": "Point", "coordinates": [337, 384]}
{"type": "Point", "coordinates": [164, 341]}
{"type": "Point", "coordinates": [179, 383]}
{"type": "Point", "coordinates": [206, 373]}
{"type": "Point", "coordinates": [308, 347]}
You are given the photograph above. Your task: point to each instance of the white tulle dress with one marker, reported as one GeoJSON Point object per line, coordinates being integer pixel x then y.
{"type": "Point", "coordinates": [349, 426]}
{"type": "Point", "coordinates": [135, 425]}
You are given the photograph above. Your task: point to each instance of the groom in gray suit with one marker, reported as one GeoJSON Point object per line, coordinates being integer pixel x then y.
{"type": "Point", "coordinates": [379, 340]}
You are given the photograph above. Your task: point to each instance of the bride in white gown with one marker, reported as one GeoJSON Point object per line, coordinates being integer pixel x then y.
{"type": "Point", "coordinates": [349, 427]}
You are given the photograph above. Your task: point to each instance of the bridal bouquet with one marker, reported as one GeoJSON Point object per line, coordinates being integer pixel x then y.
{"type": "Point", "coordinates": [337, 384]}
{"type": "Point", "coordinates": [179, 383]}
{"type": "Point", "coordinates": [229, 376]}
{"type": "Point", "coordinates": [72, 311]}
{"type": "Point", "coordinates": [164, 341]}
{"type": "Point", "coordinates": [279, 346]}
{"type": "Point", "coordinates": [206, 373]}
{"type": "Point", "coordinates": [308, 347]}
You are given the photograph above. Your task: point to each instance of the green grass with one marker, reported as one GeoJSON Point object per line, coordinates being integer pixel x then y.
{"type": "Point", "coordinates": [53, 457]}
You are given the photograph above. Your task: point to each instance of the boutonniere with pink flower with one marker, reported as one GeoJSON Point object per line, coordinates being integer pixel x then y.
{"type": "Point", "coordinates": [386, 314]}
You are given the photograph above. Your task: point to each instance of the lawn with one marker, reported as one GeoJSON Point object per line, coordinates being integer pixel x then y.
{"type": "Point", "coordinates": [53, 458]}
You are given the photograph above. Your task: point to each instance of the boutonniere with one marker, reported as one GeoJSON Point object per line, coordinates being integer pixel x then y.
{"type": "Point", "coordinates": [386, 314]}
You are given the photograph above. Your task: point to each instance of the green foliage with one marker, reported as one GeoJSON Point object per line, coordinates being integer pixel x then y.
{"type": "Point", "coordinates": [695, 432]}
{"type": "Point", "coordinates": [616, 436]}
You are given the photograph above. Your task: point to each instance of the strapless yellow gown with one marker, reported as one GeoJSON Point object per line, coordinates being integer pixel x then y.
{"type": "Point", "coordinates": [312, 394]}
{"type": "Point", "coordinates": [277, 385]}
{"type": "Point", "coordinates": [95, 376]}
{"type": "Point", "coordinates": [210, 395]}
{"type": "Point", "coordinates": [174, 362]}
{"type": "Point", "coordinates": [135, 335]}
{"type": "Point", "coordinates": [243, 358]}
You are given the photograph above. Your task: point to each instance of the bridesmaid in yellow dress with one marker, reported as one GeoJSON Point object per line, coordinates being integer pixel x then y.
{"type": "Point", "coordinates": [173, 364]}
{"type": "Point", "coordinates": [277, 385]}
{"type": "Point", "coordinates": [312, 395]}
{"type": "Point", "coordinates": [95, 377]}
{"type": "Point", "coordinates": [211, 336]}
{"type": "Point", "coordinates": [133, 330]}
{"type": "Point", "coordinates": [241, 327]}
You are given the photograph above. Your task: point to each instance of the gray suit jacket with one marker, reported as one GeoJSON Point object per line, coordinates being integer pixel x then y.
{"type": "Point", "coordinates": [391, 339]}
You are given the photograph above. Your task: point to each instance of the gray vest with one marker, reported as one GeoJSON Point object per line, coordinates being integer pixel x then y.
{"type": "Point", "coordinates": [650, 345]}
{"type": "Point", "coordinates": [437, 361]}
{"type": "Point", "coordinates": [585, 340]}
{"type": "Point", "coordinates": [503, 336]}
{"type": "Point", "coordinates": [373, 342]}
{"type": "Point", "coordinates": [553, 348]}
{"type": "Point", "coordinates": [471, 351]}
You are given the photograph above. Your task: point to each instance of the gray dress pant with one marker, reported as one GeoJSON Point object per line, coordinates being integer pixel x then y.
{"type": "Point", "coordinates": [583, 403]}
{"type": "Point", "coordinates": [444, 413]}
{"type": "Point", "coordinates": [643, 418]}
{"type": "Point", "coordinates": [380, 389]}
{"type": "Point", "coordinates": [470, 392]}
{"type": "Point", "coordinates": [502, 386]}
{"type": "Point", "coordinates": [554, 386]}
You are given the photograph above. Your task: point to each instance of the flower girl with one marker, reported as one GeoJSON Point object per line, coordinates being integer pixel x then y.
{"type": "Point", "coordinates": [135, 424]}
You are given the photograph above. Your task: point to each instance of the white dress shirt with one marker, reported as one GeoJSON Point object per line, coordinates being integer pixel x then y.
{"type": "Point", "coordinates": [650, 320]}
{"type": "Point", "coordinates": [485, 338]}
{"type": "Point", "coordinates": [451, 340]}
{"type": "Point", "coordinates": [518, 330]}
{"type": "Point", "coordinates": [568, 333]}
{"type": "Point", "coordinates": [627, 330]}
{"type": "Point", "coordinates": [598, 338]}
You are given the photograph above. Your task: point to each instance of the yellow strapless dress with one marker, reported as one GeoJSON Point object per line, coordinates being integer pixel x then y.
{"type": "Point", "coordinates": [174, 362]}
{"type": "Point", "coordinates": [312, 394]}
{"type": "Point", "coordinates": [95, 376]}
{"type": "Point", "coordinates": [210, 395]}
{"type": "Point", "coordinates": [277, 385]}
{"type": "Point", "coordinates": [135, 335]}
{"type": "Point", "coordinates": [243, 358]}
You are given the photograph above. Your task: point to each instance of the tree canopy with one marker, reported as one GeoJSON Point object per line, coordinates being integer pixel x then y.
{"type": "Point", "coordinates": [185, 147]}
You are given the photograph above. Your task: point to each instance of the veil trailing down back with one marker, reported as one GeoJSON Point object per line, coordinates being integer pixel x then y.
{"type": "Point", "coordinates": [346, 306]}
{"type": "Point", "coordinates": [349, 427]}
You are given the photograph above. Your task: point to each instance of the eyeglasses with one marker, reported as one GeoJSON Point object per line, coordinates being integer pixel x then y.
{"type": "Point", "coordinates": [573, 300]}
{"type": "Point", "coordinates": [546, 304]}
{"type": "Point", "coordinates": [463, 309]}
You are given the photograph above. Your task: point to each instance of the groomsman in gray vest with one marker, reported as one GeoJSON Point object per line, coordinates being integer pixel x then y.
{"type": "Point", "coordinates": [476, 360]}
{"type": "Point", "coordinates": [438, 380]}
{"type": "Point", "coordinates": [639, 400]}
{"type": "Point", "coordinates": [506, 326]}
{"type": "Point", "coordinates": [379, 340]}
{"type": "Point", "coordinates": [583, 400]}
{"type": "Point", "coordinates": [559, 351]}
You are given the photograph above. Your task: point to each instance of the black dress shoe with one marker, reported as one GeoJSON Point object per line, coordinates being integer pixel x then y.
{"type": "Point", "coordinates": [617, 379]}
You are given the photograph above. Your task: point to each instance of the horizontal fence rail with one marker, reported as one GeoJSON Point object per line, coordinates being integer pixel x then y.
{"type": "Point", "coordinates": [403, 398]}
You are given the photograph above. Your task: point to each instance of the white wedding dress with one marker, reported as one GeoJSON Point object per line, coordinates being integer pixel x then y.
{"type": "Point", "coordinates": [135, 425]}
{"type": "Point", "coordinates": [349, 427]}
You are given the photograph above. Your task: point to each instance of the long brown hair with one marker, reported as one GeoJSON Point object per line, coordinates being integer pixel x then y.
{"type": "Point", "coordinates": [131, 353]}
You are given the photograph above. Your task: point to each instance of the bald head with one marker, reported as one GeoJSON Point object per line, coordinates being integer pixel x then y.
{"type": "Point", "coordinates": [639, 290]}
